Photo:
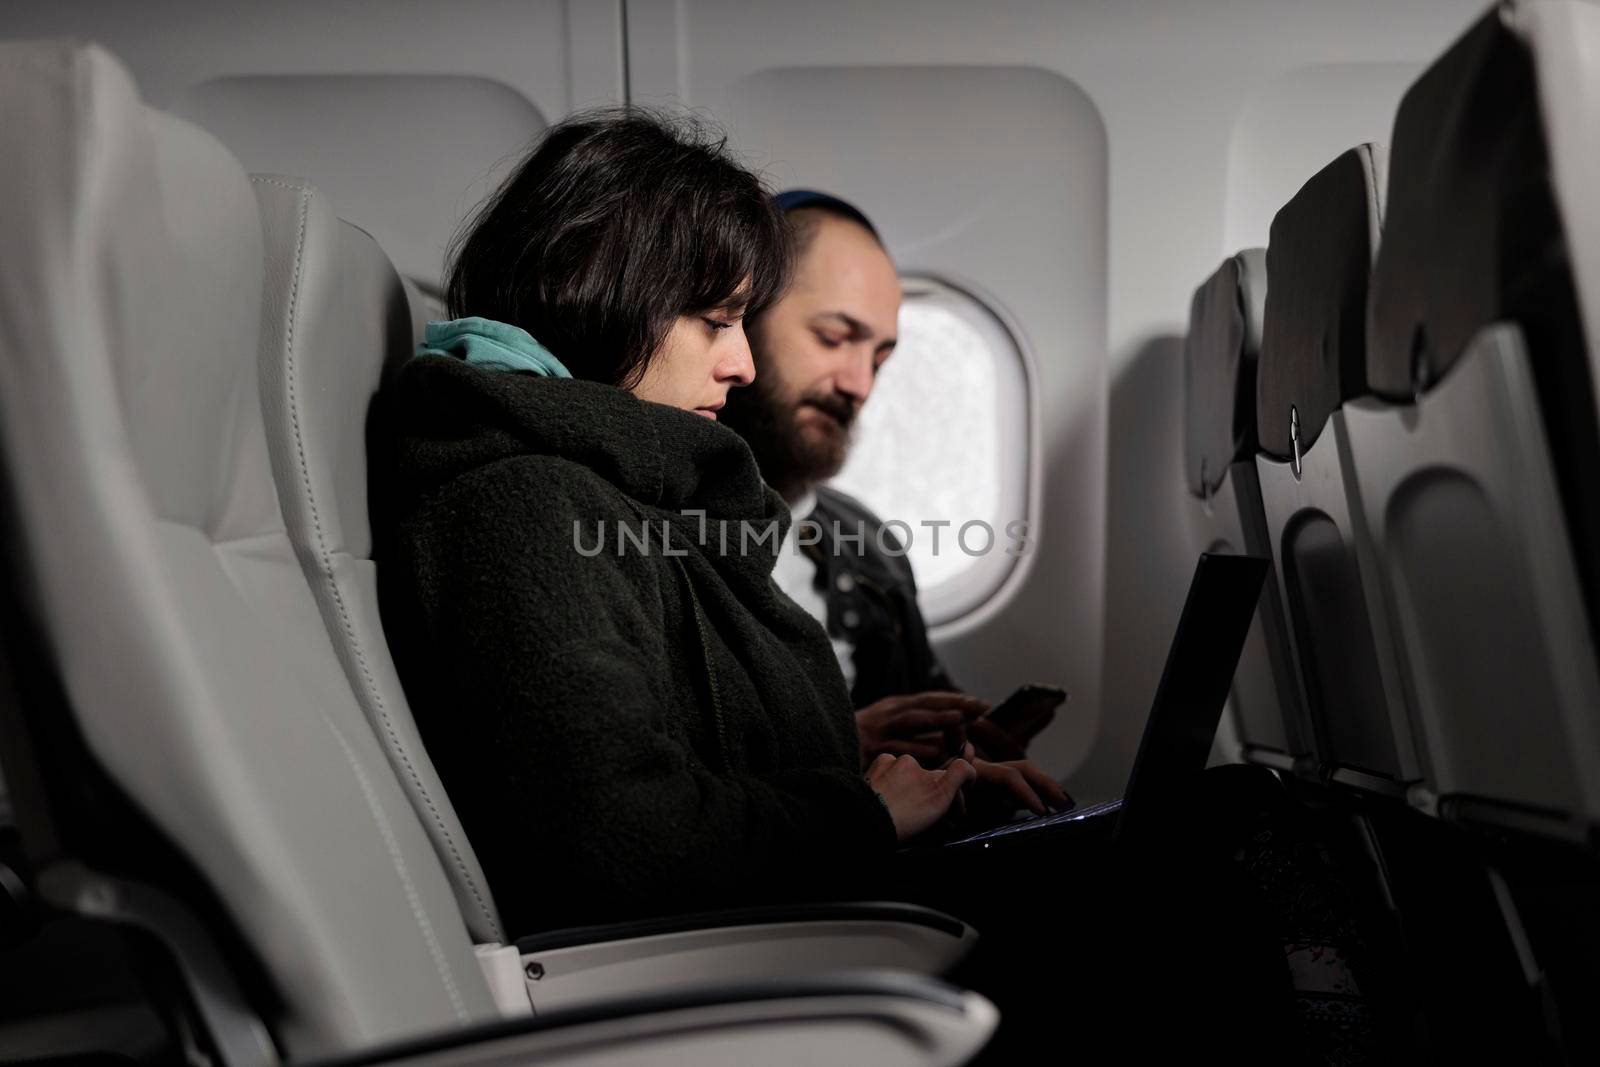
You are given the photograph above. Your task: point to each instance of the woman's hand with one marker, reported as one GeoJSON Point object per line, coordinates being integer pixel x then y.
{"type": "Point", "coordinates": [930, 727]}
{"type": "Point", "coordinates": [915, 796]}
{"type": "Point", "coordinates": [1017, 784]}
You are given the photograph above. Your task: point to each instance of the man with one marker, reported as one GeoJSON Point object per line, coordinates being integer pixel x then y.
{"type": "Point", "coordinates": [817, 353]}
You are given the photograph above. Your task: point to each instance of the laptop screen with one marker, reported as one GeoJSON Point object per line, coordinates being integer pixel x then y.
{"type": "Point", "coordinates": [1194, 684]}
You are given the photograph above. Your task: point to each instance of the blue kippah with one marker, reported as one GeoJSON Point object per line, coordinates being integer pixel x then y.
{"type": "Point", "coordinates": [792, 199]}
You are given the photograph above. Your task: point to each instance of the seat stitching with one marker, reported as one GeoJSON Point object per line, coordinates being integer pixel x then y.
{"type": "Point", "coordinates": [375, 696]}
{"type": "Point", "coordinates": [395, 855]}
{"type": "Point", "coordinates": [411, 892]}
{"type": "Point", "coordinates": [353, 644]}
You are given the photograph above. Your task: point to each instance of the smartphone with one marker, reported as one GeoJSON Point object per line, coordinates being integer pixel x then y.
{"type": "Point", "coordinates": [1028, 710]}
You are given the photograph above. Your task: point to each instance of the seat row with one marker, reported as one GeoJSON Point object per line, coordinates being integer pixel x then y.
{"type": "Point", "coordinates": [1396, 403]}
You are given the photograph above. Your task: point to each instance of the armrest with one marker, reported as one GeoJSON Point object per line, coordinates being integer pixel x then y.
{"type": "Point", "coordinates": [883, 1018]}
{"type": "Point", "coordinates": [880, 911]}
{"type": "Point", "coordinates": [566, 968]}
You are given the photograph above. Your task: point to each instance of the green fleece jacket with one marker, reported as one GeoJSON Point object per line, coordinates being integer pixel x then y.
{"type": "Point", "coordinates": [623, 732]}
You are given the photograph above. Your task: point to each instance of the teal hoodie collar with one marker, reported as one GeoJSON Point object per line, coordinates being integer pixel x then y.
{"type": "Point", "coordinates": [492, 344]}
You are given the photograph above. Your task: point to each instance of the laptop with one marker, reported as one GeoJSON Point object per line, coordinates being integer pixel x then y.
{"type": "Point", "coordinates": [1187, 707]}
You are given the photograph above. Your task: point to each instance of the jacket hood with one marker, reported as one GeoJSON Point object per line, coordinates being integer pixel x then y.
{"type": "Point", "coordinates": [442, 418]}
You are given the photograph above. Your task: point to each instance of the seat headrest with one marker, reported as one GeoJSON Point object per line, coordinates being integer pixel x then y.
{"type": "Point", "coordinates": [1314, 338]}
{"type": "Point", "coordinates": [1319, 257]}
{"type": "Point", "coordinates": [1219, 369]}
{"type": "Point", "coordinates": [345, 298]}
{"type": "Point", "coordinates": [167, 219]}
{"type": "Point", "coordinates": [1475, 232]}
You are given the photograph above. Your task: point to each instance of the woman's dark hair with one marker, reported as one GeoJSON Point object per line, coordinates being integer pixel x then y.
{"type": "Point", "coordinates": [616, 224]}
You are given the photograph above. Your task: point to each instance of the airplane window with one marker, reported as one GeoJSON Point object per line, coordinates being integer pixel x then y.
{"type": "Point", "coordinates": [941, 451]}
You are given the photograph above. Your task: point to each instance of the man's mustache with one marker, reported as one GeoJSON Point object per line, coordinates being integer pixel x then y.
{"type": "Point", "coordinates": [842, 408]}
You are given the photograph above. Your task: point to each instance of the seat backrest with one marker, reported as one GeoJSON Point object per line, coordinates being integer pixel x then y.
{"type": "Point", "coordinates": [188, 644]}
{"type": "Point", "coordinates": [1219, 379]}
{"type": "Point", "coordinates": [336, 314]}
{"type": "Point", "coordinates": [1477, 466]}
{"type": "Point", "coordinates": [1312, 361]}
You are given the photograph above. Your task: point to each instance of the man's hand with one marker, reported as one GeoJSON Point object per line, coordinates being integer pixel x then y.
{"type": "Point", "coordinates": [929, 727]}
{"type": "Point", "coordinates": [1008, 740]}
{"type": "Point", "coordinates": [915, 796]}
{"type": "Point", "coordinates": [995, 742]}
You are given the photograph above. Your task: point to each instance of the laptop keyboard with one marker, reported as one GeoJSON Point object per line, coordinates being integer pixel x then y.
{"type": "Point", "coordinates": [1035, 822]}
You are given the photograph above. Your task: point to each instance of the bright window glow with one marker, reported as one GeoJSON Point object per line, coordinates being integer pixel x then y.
{"type": "Point", "coordinates": [944, 439]}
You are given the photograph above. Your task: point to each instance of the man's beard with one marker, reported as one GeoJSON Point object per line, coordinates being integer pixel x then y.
{"type": "Point", "coordinates": [792, 457]}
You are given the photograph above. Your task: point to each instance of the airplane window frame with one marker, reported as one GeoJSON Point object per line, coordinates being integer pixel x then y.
{"type": "Point", "coordinates": [985, 577]}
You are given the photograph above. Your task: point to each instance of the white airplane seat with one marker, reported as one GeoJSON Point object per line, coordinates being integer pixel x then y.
{"type": "Point", "coordinates": [1313, 359]}
{"type": "Point", "coordinates": [1219, 387]}
{"type": "Point", "coordinates": [171, 599]}
{"type": "Point", "coordinates": [192, 655]}
{"type": "Point", "coordinates": [1476, 460]}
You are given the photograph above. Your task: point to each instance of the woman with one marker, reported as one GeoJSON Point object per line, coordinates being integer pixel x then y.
{"type": "Point", "coordinates": [576, 557]}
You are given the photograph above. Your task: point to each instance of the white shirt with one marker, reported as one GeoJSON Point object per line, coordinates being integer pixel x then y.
{"type": "Point", "coordinates": [796, 575]}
